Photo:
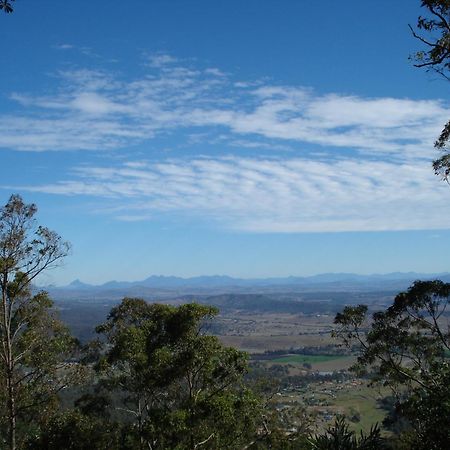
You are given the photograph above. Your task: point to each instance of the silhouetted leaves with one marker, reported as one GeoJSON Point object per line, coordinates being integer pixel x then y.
{"type": "Point", "coordinates": [6, 6]}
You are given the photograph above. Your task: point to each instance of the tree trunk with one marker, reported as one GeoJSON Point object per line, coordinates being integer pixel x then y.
{"type": "Point", "coordinates": [9, 366]}
{"type": "Point", "coordinates": [11, 414]}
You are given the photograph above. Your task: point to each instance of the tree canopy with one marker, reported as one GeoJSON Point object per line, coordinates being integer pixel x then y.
{"type": "Point", "coordinates": [33, 342]}
{"type": "Point", "coordinates": [178, 386]}
{"type": "Point", "coordinates": [433, 31]}
{"type": "Point", "coordinates": [406, 347]}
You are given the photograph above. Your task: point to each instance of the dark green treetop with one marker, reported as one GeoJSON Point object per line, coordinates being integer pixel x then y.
{"type": "Point", "coordinates": [179, 387]}
{"type": "Point", "coordinates": [406, 347]}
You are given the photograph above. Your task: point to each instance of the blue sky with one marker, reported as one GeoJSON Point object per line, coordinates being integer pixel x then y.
{"type": "Point", "coordinates": [255, 138]}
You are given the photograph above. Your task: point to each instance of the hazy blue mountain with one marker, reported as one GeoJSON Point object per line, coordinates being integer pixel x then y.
{"type": "Point", "coordinates": [390, 280]}
{"type": "Point", "coordinates": [77, 284]}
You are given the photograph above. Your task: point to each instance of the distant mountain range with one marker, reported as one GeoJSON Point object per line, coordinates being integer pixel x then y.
{"type": "Point", "coordinates": [326, 280]}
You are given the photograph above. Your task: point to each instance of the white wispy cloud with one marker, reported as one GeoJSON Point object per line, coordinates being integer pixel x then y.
{"type": "Point", "coordinates": [369, 169]}
{"type": "Point", "coordinates": [63, 46]}
{"type": "Point", "coordinates": [159, 60]}
{"type": "Point", "coordinates": [93, 110]}
{"type": "Point", "coordinates": [269, 195]}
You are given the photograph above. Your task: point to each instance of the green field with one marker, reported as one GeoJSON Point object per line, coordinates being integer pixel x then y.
{"type": "Point", "coordinates": [302, 359]}
{"type": "Point", "coordinates": [362, 399]}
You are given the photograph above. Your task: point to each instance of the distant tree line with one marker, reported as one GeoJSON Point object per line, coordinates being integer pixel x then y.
{"type": "Point", "coordinates": [312, 350]}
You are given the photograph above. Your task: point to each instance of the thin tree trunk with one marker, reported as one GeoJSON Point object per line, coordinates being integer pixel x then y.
{"type": "Point", "coordinates": [9, 363]}
{"type": "Point", "coordinates": [11, 414]}
{"type": "Point", "coordinates": [141, 437]}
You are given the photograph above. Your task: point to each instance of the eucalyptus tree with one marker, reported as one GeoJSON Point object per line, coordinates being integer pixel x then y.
{"type": "Point", "coordinates": [177, 386]}
{"type": "Point", "coordinates": [407, 348]}
{"type": "Point", "coordinates": [433, 31]}
{"type": "Point", "coordinates": [33, 342]}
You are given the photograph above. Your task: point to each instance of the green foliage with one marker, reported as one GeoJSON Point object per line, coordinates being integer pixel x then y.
{"type": "Point", "coordinates": [177, 386]}
{"type": "Point", "coordinates": [436, 53]}
{"type": "Point", "coordinates": [73, 430]}
{"type": "Point", "coordinates": [40, 350]}
{"type": "Point", "coordinates": [339, 437]}
{"type": "Point", "coordinates": [34, 344]}
{"type": "Point", "coordinates": [405, 348]}
{"type": "Point", "coordinates": [433, 31]}
{"type": "Point", "coordinates": [283, 430]}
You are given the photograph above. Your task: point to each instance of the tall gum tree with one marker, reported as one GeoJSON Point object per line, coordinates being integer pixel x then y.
{"type": "Point", "coordinates": [407, 347]}
{"type": "Point", "coordinates": [33, 342]}
{"type": "Point", "coordinates": [178, 386]}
